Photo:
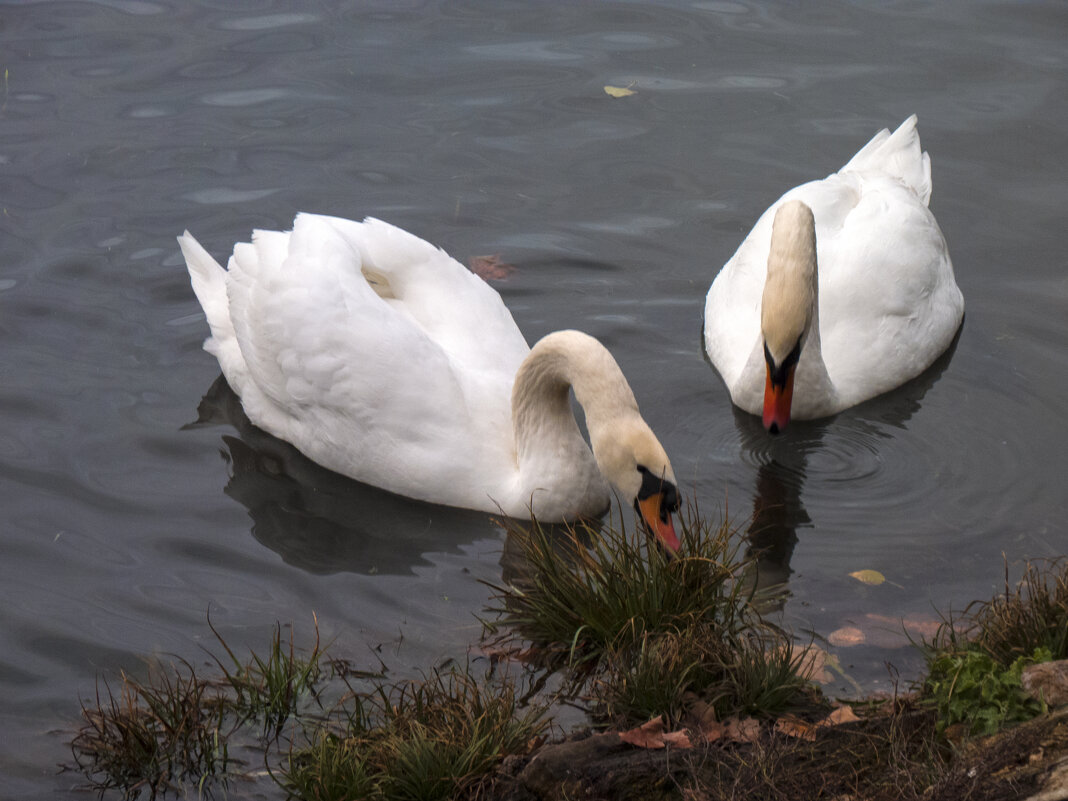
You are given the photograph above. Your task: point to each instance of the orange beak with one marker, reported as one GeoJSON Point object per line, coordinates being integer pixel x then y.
{"type": "Point", "coordinates": [777, 399]}
{"type": "Point", "coordinates": [663, 527]}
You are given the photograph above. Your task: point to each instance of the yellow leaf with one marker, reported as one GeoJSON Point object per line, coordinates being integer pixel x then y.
{"type": "Point", "coordinates": [618, 91]}
{"type": "Point", "coordinates": [872, 577]}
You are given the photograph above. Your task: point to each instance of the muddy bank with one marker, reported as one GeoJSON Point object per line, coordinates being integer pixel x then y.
{"type": "Point", "coordinates": [883, 757]}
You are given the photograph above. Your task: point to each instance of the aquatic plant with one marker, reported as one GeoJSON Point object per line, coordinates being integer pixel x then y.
{"type": "Point", "coordinates": [642, 627]}
{"type": "Point", "coordinates": [269, 689]}
{"type": "Point", "coordinates": [154, 736]}
{"type": "Point", "coordinates": [1032, 614]}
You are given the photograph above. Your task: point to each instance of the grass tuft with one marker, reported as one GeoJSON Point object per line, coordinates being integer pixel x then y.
{"type": "Point", "coordinates": [1033, 614]}
{"type": "Point", "coordinates": [153, 736]}
{"type": "Point", "coordinates": [975, 661]}
{"type": "Point", "coordinates": [270, 689]}
{"type": "Point", "coordinates": [434, 738]}
{"type": "Point", "coordinates": [645, 629]}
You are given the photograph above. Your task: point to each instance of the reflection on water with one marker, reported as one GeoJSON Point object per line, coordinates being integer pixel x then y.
{"type": "Point", "coordinates": [323, 522]}
{"type": "Point", "coordinates": [782, 463]}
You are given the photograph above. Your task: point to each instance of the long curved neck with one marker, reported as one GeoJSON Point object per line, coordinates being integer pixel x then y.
{"type": "Point", "coordinates": [549, 445]}
{"type": "Point", "coordinates": [790, 303]}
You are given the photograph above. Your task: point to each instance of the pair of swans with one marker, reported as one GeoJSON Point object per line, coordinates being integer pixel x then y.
{"type": "Point", "coordinates": [381, 358]}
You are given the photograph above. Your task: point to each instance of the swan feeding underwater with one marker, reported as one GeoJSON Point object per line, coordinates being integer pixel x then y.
{"type": "Point", "coordinates": [383, 359]}
{"type": "Point", "coordinates": [842, 291]}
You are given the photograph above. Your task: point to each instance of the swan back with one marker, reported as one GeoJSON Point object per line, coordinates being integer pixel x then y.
{"type": "Point", "coordinates": [898, 155]}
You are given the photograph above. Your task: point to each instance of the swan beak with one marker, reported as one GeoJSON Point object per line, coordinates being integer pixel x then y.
{"type": "Point", "coordinates": [777, 399]}
{"type": "Point", "coordinates": [659, 522]}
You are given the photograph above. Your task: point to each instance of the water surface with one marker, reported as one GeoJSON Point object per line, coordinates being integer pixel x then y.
{"type": "Point", "coordinates": [484, 127]}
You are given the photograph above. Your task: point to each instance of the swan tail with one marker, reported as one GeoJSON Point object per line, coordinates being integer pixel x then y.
{"type": "Point", "coordinates": [209, 284]}
{"type": "Point", "coordinates": [898, 154]}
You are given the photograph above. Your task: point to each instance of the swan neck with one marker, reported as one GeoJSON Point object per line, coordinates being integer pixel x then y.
{"type": "Point", "coordinates": [550, 448]}
{"type": "Point", "coordinates": [790, 303]}
{"type": "Point", "coordinates": [566, 360]}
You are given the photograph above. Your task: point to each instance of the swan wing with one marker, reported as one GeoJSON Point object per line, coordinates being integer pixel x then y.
{"type": "Point", "coordinates": [384, 382]}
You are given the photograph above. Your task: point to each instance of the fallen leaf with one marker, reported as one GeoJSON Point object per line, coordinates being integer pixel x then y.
{"type": "Point", "coordinates": [846, 636]}
{"type": "Point", "coordinates": [744, 730]}
{"type": "Point", "coordinates": [700, 711]}
{"type": "Point", "coordinates": [924, 626]}
{"type": "Point", "coordinates": [793, 726]}
{"type": "Point", "coordinates": [843, 714]}
{"type": "Point", "coordinates": [490, 268]}
{"type": "Point", "coordinates": [648, 735]}
{"type": "Point", "coordinates": [813, 665]}
{"type": "Point", "coordinates": [712, 731]}
{"type": "Point", "coordinates": [890, 632]}
{"type": "Point", "coordinates": [619, 91]}
{"type": "Point", "coordinates": [652, 735]}
{"type": "Point", "coordinates": [701, 718]}
{"type": "Point", "coordinates": [677, 739]}
{"type": "Point", "coordinates": [873, 577]}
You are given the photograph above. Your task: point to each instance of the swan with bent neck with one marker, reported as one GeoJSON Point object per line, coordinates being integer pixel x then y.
{"type": "Point", "coordinates": [383, 359]}
{"type": "Point", "coordinates": [842, 291]}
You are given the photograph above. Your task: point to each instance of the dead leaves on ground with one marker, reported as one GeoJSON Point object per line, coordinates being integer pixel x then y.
{"type": "Point", "coordinates": [793, 726]}
{"type": "Point", "coordinates": [652, 734]}
{"type": "Point", "coordinates": [702, 725]}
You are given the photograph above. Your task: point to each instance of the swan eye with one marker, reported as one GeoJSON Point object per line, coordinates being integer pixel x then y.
{"type": "Point", "coordinates": [779, 372]}
{"type": "Point", "coordinates": [653, 484]}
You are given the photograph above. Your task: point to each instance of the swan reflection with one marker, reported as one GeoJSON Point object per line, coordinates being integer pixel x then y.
{"type": "Point", "coordinates": [782, 467]}
{"type": "Point", "coordinates": [320, 521]}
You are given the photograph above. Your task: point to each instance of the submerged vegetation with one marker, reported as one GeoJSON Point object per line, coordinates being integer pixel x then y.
{"type": "Point", "coordinates": [153, 735]}
{"type": "Point", "coordinates": [660, 651]}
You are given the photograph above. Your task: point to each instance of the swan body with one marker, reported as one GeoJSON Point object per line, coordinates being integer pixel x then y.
{"type": "Point", "coordinates": [842, 291]}
{"type": "Point", "coordinates": [383, 359]}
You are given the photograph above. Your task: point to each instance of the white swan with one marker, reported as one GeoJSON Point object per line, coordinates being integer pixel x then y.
{"type": "Point", "coordinates": [383, 359]}
{"type": "Point", "coordinates": [791, 339]}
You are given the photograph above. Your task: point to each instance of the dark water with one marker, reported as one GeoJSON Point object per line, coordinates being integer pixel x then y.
{"type": "Point", "coordinates": [484, 127]}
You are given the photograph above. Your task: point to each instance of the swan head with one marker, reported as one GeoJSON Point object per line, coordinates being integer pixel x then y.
{"type": "Point", "coordinates": [788, 306]}
{"type": "Point", "coordinates": [635, 463]}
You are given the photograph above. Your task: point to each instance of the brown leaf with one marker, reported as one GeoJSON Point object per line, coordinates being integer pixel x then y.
{"type": "Point", "coordinates": [677, 739]}
{"type": "Point", "coordinates": [491, 268]}
{"type": "Point", "coordinates": [793, 726]}
{"type": "Point", "coordinates": [648, 735]}
{"type": "Point", "coordinates": [846, 636]}
{"type": "Point", "coordinates": [652, 735]}
{"type": "Point", "coordinates": [701, 713]}
{"type": "Point", "coordinates": [742, 730]}
{"type": "Point", "coordinates": [712, 731]}
{"type": "Point", "coordinates": [843, 714]}
{"type": "Point", "coordinates": [813, 665]}
{"type": "Point", "coordinates": [923, 625]}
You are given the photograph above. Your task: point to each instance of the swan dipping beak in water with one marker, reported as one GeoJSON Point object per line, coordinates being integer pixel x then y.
{"type": "Point", "coordinates": [842, 291]}
{"type": "Point", "coordinates": [383, 359]}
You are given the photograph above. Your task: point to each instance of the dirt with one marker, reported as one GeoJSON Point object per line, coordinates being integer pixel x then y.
{"type": "Point", "coordinates": [885, 756]}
